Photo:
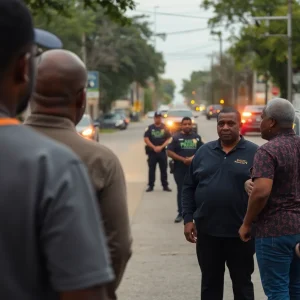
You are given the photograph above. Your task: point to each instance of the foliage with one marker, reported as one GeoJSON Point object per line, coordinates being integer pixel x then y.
{"type": "Point", "coordinates": [221, 82]}
{"type": "Point", "coordinates": [114, 9]}
{"type": "Point", "coordinates": [165, 89]}
{"type": "Point", "coordinates": [121, 54]}
{"type": "Point", "coordinates": [148, 97]}
{"type": "Point", "coordinates": [191, 87]}
{"type": "Point", "coordinates": [251, 45]}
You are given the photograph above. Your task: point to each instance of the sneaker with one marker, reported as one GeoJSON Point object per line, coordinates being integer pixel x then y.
{"type": "Point", "coordinates": [178, 219]}
{"type": "Point", "coordinates": [149, 189]}
{"type": "Point", "coordinates": [167, 189]}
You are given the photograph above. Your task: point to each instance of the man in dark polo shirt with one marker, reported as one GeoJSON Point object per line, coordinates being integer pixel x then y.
{"type": "Point", "coordinates": [52, 244]}
{"type": "Point", "coordinates": [156, 138]}
{"type": "Point", "coordinates": [182, 149]}
{"type": "Point", "coordinates": [214, 196]}
{"type": "Point", "coordinates": [56, 109]}
{"type": "Point", "coordinates": [275, 202]}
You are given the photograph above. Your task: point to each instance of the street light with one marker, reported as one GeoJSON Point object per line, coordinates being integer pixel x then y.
{"type": "Point", "coordinates": [222, 101]}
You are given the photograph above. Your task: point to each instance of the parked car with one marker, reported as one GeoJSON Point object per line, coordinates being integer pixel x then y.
{"type": "Point", "coordinates": [150, 114]}
{"type": "Point", "coordinates": [212, 111]}
{"type": "Point", "coordinates": [251, 118]}
{"type": "Point", "coordinates": [125, 118]}
{"type": "Point", "coordinates": [88, 128]}
{"type": "Point", "coordinates": [112, 121]}
{"type": "Point", "coordinates": [174, 118]}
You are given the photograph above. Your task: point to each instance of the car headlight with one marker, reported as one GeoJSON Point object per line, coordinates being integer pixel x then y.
{"type": "Point", "coordinates": [87, 132]}
{"type": "Point", "coordinates": [170, 123]}
{"type": "Point", "coordinates": [119, 122]}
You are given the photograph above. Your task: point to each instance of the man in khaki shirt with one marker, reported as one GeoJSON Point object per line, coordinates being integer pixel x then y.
{"type": "Point", "coordinates": [57, 105]}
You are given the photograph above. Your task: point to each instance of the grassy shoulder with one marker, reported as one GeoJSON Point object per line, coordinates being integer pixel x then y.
{"type": "Point", "coordinates": [108, 130]}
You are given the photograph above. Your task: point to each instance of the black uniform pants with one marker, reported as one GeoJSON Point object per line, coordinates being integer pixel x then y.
{"type": "Point", "coordinates": [160, 159]}
{"type": "Point", "coordinates": [179, 174]}
{"type": "Point", "coordinates": [213, 253]}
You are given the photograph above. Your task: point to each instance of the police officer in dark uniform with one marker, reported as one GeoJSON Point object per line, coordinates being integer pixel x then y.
{"type": "Point", "coordinates": [157, 137]}
{"type": "Point", "coordinates": [182, 150]}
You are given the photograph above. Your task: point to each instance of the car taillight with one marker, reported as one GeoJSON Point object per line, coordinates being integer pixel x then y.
{"type": "Point", "coordinates": [247, 114]}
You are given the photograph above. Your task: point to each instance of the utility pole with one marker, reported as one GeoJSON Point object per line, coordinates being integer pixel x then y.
{"type": "Point", "coordinates": [154, 104]}
{"type": "Point", "coordinates": [83, 48]}
{"type": "Point", "coordinates": [290, 52]}
{"type": "Point", "coordinates": [211, 78]}
{"type": "Point", "coordinates": [219, 34]}
{"type": "Point", "coordinates": [288, 18]}
{"type": "Point", "coordinates": [155, 24]}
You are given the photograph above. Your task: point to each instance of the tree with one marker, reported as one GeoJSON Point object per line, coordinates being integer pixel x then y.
{"type": "Point", "coordinates": [165, 89]}
{"type": "Point", "coordinates": [114, 9]}
{"type": "Point", "coordinates": [193, 88]}
{"type": "Point", "coordinates": [265, 54]}
{"type": "Point", "coordinates": [121, 54]}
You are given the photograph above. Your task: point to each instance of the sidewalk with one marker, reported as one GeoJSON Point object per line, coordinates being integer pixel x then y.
{"type": "Point", "coordinates": [164, 266]}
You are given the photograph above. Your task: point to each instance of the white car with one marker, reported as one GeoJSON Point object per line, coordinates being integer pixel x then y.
{"type": "Point", "coordinates": [150, 114]}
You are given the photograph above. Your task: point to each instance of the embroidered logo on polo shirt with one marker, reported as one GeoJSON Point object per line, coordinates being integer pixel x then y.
{"type": "Point", "coordinates": [241, 161]}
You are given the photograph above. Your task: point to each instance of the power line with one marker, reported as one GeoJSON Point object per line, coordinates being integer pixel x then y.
{"type": "Point", "coordinates": [186, 31]}
{"type": "Point", "coordinates": [173, 15]}
{"type": "Point", "coordinates": [191, 49]}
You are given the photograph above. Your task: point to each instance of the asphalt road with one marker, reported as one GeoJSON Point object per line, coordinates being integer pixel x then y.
{"type": "Point", "coordinates": [163, 265]}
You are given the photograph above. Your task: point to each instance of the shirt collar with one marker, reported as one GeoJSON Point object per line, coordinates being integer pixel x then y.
{"type": "Point", "coordinates": [284, 132]}
{"type": "Point", "coordinates": [49, 121]}
{"type": "Point", "coordinates": [240, 144]}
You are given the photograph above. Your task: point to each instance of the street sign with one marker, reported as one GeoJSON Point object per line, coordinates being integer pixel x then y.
{"type": "Point", "coordinates": [93, 81]}
{"type": "Point", "coordinates": [93, 86]}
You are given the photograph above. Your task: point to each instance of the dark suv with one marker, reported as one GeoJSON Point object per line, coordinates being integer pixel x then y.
{"type": "Point", "coordinates": [251, 118]}
{"type": "Point", "coordinates": [212, 111]}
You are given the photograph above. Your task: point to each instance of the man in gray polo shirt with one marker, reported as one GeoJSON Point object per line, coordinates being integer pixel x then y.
{"type": "Point", "coordinates": [51, 240]}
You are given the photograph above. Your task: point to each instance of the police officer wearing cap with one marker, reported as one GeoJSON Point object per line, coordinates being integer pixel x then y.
{"type": "Point", "coordinates": [157, 137]}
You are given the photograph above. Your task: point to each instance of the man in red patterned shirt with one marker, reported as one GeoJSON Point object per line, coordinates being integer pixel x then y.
{"type": "Point", "coordinates": [275, 202]}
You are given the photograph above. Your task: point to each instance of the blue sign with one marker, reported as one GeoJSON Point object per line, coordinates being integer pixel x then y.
{"type": "Point", "coordinates": [93, 81]}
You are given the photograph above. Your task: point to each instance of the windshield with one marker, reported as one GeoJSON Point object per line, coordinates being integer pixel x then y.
{"type": "Point", "coordinates": [180, 113]}
{"type": "Point", "coordinates": [111, 117]}
{"type": "Point", "coordinates": [84, 122]}
{"type": "Point", "coordinates": [253, 108]}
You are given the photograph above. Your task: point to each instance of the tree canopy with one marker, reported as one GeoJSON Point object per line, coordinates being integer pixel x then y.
{"type": "Point", "coordinates": [121, 54]}
{"type": "Point", "coordinates": [251, 45]}
{"type": "Point", "coordinates": [114, 9]}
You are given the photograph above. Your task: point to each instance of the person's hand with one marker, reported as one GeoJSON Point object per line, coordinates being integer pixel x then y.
{"type": "Point", "coordinates": [157, 149]}
{"type": "Point", "coordinates": [245, 233]}
{"type": "Point", "coordinates": [190, 232]}
{"type": "Point", "coordinates": [249, 186]}
{"type": "Point", "coordinates": [188, 160]}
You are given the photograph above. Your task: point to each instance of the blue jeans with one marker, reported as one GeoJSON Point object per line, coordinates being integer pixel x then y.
{"type": "Point", "coordinates": [279, 266]}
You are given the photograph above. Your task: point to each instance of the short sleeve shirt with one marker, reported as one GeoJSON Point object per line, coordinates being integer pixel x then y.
{"type": "Point", "coordinates": [157, 135]}
{"type": "Point", "coordinates": [50, 234]}
{"type": "Point", "coordinates": [185, 145]}
{"type": "Point", "coordinates": [279, 160]}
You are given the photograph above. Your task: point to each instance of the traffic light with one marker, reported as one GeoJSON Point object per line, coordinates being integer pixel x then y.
{"type": "Point", "coordinates": [222, 101]}
{"type": "Point", "coordinates": [192, 101]}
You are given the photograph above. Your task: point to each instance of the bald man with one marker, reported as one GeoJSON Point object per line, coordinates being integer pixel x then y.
{"type": "Point", "coordinates": [57, 105]}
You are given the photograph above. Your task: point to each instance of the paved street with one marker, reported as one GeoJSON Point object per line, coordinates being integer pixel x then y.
{"type": "Point", "coordinates": [164, 265]}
